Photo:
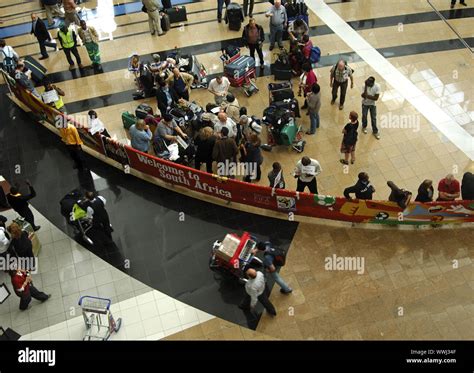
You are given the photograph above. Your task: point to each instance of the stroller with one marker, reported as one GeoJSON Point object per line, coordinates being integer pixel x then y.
{"type": "Point", "coordinates": [190, 64]}
{"type": "Point", "coordinates": [75, 215]}
{"type": "Point", "coordinates": [240, 70]}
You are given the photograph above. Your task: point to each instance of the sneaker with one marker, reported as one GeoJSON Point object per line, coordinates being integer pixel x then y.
{"type": "Point", "coordinates": [37, 228]}
{"type": "Point", "coordinates": [153, 33]}
{"type": "Point", "coordinates": [343, 161]}
{"type": "Point", "coordinates": [49, 296]}
{"type": "Point", "coordinates": [341, 107]}
{"type": "Point", "coordinates": [352, 161]}
{"type": "Point", "coordinates": [219, 20]}
{"type": "Point", "coordinates": [286, 292]}
{"type": "Point", "coordinates": [364, 130]}
{"type": "Point", "coordinates": [43, 58]}
{"type": "Point", "coordinates": [309, 133]}
{"type": "Point", "coordinates": [162, 33]}
{"type": "Point", "coordinates": [332, 102]}
{"type": "Point", "coordinates": [463, 3]}
{"type": "Point", "coordinates": [377, 136]}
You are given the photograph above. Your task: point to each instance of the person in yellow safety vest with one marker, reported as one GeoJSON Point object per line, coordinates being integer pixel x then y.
{"type": "Point", "coordinates": [58, 104]}
{"type": "Point", "coordinates": [67, 39]}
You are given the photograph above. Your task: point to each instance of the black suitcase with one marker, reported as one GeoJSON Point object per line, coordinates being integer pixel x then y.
{"type": "Point", "coordinates": [239, 67]}
{"type": "Point", "coordinates": [165, 22]}
{"type": "Point", "coordinates": [288, 104]}
{"type": "Point", "coordinates": [177, 14]}
{"type": "Point", "coordinates": [234, 16]}
{"type": "Point", "coordinates": [280, 91]}
{"type": "Point", "coordinates": [143, 110]}
{"type": "Point", "coordinates": [38, 71]}
{"type": "Point", "coordinates": [282, 71]}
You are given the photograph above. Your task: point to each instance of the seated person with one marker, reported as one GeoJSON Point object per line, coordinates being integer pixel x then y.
{"type": "Point", "coordinates": [95, 125]}
{"type": "Point", "coordinates": [168, 130]}
{"type": "Point", "coordinates": [297, 29]}
{"type": "Point", "coordinates": [467, 186]}
{"type": "Point", "coordinates": [448, 188]}
{"type": "Point", "coordinates": [224, 121]}
{"type": "Point", "coordinates": [24, 81]}
{"type": "Point", "coordinates": [166, 97]}
{"type": "Point", "coordinates": [134, 63]}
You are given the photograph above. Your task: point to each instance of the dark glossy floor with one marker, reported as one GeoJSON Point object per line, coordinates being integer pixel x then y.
{"type": "Point", "coordinates": [164, 252]}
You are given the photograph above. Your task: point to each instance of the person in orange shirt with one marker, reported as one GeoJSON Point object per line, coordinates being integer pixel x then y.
{"type": "Point", "coordinates": [73, 142]}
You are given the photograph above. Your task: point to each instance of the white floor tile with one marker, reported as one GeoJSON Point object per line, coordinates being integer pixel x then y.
{"type": "Point", "coordinates": [170, 320]}
{"type": "Point", "coordinates": [147, 310]}
{"type": "Point", "coordinates": [153, 326]}
{"type": "Point", "coordinates": [165, 305]}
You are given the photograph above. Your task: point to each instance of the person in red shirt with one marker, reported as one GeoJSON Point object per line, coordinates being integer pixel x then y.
{"type": "Point", "coordinates": [449, 189]}
{"type": "Point", "coordinates": [306, 45]}
{"type": "Point", "coordinates": [24, 289]}
{"type": "Point", "coordinates": [307, 80]}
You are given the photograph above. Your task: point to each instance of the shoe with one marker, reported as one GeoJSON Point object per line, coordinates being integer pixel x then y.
{"type": "Point", "coordinates": [286, 292]}
{"type": "Point", "coordinates": [352, 161]}
{"type": "Point", "coordinates": [309, 133]}
{"type": "Point", "coordinates": [219, 20]}
{"type": "Point", "coordinates": [43, 58]}
{"type": "Point", "coordinates": [81, 66]}
{"type": "Point", "coordinates": [452, 6]}
{"type": "Point", "coordinates": [262, 63]}
{"type": "Point", "coordinates": [332, 102]}
{"type": "Point", "coordinates": [244, 308]}
{"type": "Point", "coordinates": [343, 161]}
{"type": "Point", "coordinates": [364, 130]}
{"type": "Point", "coordinates": [281, 47]}
{"type": "Point", "coordinates": [271, 47]}
{"type": "Point", "coordinates": [250, 15]}
{"type": "Point", "coordinates": [162, 33]}
{"type": "Point", "coordinates": [153, 33]}
{"type": "Point", "coordinates": [463, 3]}
{"type": "Point", "coordinates": [304, 107]}
{"type": "Point", "coordinates": [377, 136]}
{"type": "Point", "coordinates": [49, 296]}
{"type": "Point", "coordinates": [272, 313]}
{"type": "Point", "coordinates": [341, 107]}
{"type": "Point", "coordinates": [37, 228]}
{"type": "Point", "coordinates": [71, 67]}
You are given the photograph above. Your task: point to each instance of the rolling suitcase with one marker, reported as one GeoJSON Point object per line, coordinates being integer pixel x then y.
{"type": "Point", "coordinates": [234, 16]}
{"type": "Point", "coordinates": [289, 104]}
{"type": "Point", "coordinates": [177, 14]}
{"type": "Point", "coordinates": [38, 71]}
{"type": "Point", "coordinates": [282, 71]}
{"type": "Point", "coordinates": [128, 120]}
{"type": "Point", "coordinates": [239, 67]}
{"type": "Point", "coordinates": [165, 22]}
{"type": "Point", "coordinates": [26, 227]}
{"type": "Point", "coordinates": [280, 91]}
{"type": "Point", "coordinates": [288, 133]}
{"type": "Point", "coordinates": [142, 111]}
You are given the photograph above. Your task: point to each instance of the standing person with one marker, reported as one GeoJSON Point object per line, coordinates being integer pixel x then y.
{"type": "Point", "coordinates": [20, 242]}
{"type": "Point", "coordinates": [140, 136]}
{"type": "Point", "coordinates": [59, 103]}
{"type": "Point", "coordinates": [231, 107]}
{"type": "Point", "coordinates": [453, 3]}
{"type": "Point", "coordinates": [39, 30]}
{"type": "Point", "coordinates": [252, 157]}
{"type": "Point", "coordinates": [220, 7]}
{"type": "Point", "coordinates": [256, 291]}
{"type": "Point", "coordinates": [349, 140]}
{"type": "Point", "coordinates": [248, 8]}
{"type": "Point", "coordinates": [224, 121]}
{"type": "Point", "coordinates": [95, 207]}
{"type": "Point", "coordinates": [19, 203]}
{"type": "Point", "coordinates": [204, 142]}
{"type": "Point", "coordinates": [154, 19]}
{"type": "Point", "coordinates": [70, 137]}
{"type": "Point", "coordinates": [253, 37]}
{"type": "Point", "coordinates": [307, 80]}
{"type": "Point", "coordinates": [24, 289]}
{"type": "Point", "coordinates": [166, 97]}
{"type": "Point", "coordinates": [8, 57]}
{"type": "Point", "coordinates": [95, 125]}
{"type": "Point", "coordinates": [306, 171]}
{"type": "Point", "coordinates": [340, 75]}
{"type": "Point", "coordinates": [219, 86]}
{"type": "Point", "coordinates": [181, 82]}
{"type": "Point", "coordinates": [275, 177]}
{"type": "Point", "coordinates": [313, 100]}
{"type": "Point", "coordinates": [449, 188]}
{"type": "Point", "coordinates": [90, 37]}
{"type": "Point", "coordinates": [363, 189]}
{"type": "Point", "coordinates": [425, 191]}
{"type": "Point", "coordinates": [52, 9]}
{"type": "Point", "coordinates": [70, 13]}
{"type": "Point", "coordinates": [270, 265]}
{"type": "Point", "coordinates": [467, 186]}
{"type": "Point", "coordinates": [369, 96]}
{"type": "Point", "coordinates": [278, 22]}
{"type": "Point", "coordinates": [225, 153]}
{"type": "Point", "coordinates": [67, 39]}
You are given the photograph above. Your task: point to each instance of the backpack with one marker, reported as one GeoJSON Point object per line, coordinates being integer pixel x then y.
{"type": "Point", "coordinates": [9, 63]}
{"type": "Point", "coordinates": [315, 55]}
{"type": "Point", "coordinates": [279, 256]}
{"type": "Point", "coordinates": [335, 67]}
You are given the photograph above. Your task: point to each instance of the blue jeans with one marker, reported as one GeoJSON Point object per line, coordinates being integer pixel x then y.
{"type": "Point", "coordinates": [314, 120]}
{"type": "Point", "coordinates": [220, 7]}
{"type": "Point", "coordinates": [373, 117]}
{"type": "Point", "coordinates": [276, 33]}
{"type": "Point", "coordinates": [278, 279]}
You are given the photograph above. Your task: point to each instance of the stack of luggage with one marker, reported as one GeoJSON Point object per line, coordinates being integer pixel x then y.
{"type": "Point", "coordinates": [282, 69]}
{"type": "Point", "coordinates": [281, 95]}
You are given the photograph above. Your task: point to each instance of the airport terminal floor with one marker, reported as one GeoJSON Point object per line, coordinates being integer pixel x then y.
{"type": "Point", "coordinates": [412, 284]}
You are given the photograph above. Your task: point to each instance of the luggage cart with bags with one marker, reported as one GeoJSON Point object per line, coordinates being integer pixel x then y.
{"type": "Point", "coordinates": [75, 215]}
{"type": "Point", "coordinates": [240, 70]}
{"type": "Point", "coordinates": [100, 323]}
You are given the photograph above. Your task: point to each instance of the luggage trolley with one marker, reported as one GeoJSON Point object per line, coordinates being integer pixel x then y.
{"type": "Point", "coordinates": [98, 318]}
{"type": "Point", "coordinates": [234, 255]}
{"type": "Point", "coordinates": [240, 70]}
{"type": "Point", "coordinates": [75, 215]}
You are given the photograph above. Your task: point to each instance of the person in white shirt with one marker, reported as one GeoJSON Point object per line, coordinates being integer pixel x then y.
{"type": "Point", "coordinates": [224, 121]}
{"type": "Point", "coordinates": [306, 171]}
{"type": "Point", "coordinates": [4, 237]}
{"type": "Point", "coordinates": [95, 125]}
{"type": "Point", "coordinates": [370, 95]}
{"type": "Point", "coordinates": [219, 86]}
{"type": "Point", "coordinates": [256, 292]}
{"type": "Point", "coordinates": [8, 57]}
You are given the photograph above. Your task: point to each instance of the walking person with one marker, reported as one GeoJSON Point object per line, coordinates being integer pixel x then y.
{"type": "Point", "coordinates": [68, 40]}
{"type": "Point", "coordinates": [349, 139]}
{"type": "Point", "coordinates": [220, 7]}
{"type": "Point", "coordinates": [453, 3]}
{"type": "Point", "coordinates": [270, 265]}
{"type": "Point", "coordinates": [204, 142]}
{"type": "Point", "coordinates": [23, 287]}
{"type": "Point", "coordinates": [369, 96]}
{"type": "Point", "coordinates": [313, 100]}
{"type": "Point", "coordinates": [425, 191]}
{"type": "Point", "coordinates": [70, 137]}
{"type": "Point", "coordinates": [363, 189]}
{"type": "Point", "coordinates": [70, 13]}
{"type": "Point", "coordinates": [154, 19]}
{"type": "Point", "coordinates": [39, 30]}
{"type": "Point", "coordinates": [256, 291]}
{"type": "Point", "coordinates": [306, 171]}
{"type": "Point", "coordinates": [8, 57]}
{"type": "Point", "coordinates": [52, 9]}
{"type": "Point", "coordinates": [340, 75]}
{"type": "Point", "coordinates": [248, 8]}
{"type": "Point", "coordinates": [278, 22]}
{"type": "Point", "coordinates": [253, 37]}
{"type": "Point", "coordinates": [90, 38]}
{"type": "Point", "coordinates": [19, 203]}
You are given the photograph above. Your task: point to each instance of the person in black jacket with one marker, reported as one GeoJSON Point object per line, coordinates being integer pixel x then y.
{"type": "Point", "coordinates": [362, 189]}
{"type": "Point", "coordinates": [204, 141]}
{"type": "Point", "coordinates": [19, 203]}
{"type": "Point", "coordinates": [425, 191]}
{"type": "Point", "coordinates": [21, 244]}
{"type": "Point", "coordinates": [467, 186]}
{"type": "Point", "coordinates": [401, 196]}
{"type": "Point", "coordinates": [349, 139]}
{"type": "Point", "coordinates": [166, 97]}
{"type": "Point", "coordinates": [252, 157]}
{"type": "Point", "coordinates": [253, 37]}
{"type": "Point", "coordinates": [38, 28]}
